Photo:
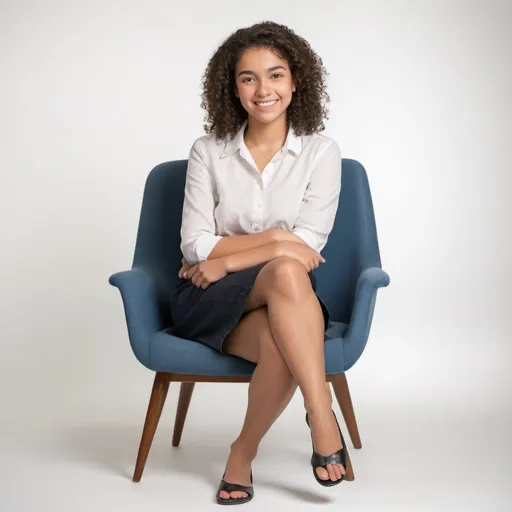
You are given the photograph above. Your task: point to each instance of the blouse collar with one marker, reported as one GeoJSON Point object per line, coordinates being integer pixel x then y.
{"type": "Point", "coordinates": [292, 143]}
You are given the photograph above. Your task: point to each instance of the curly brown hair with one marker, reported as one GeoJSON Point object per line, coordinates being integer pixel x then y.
{"type": "Point", "coordinates": [224, 111]}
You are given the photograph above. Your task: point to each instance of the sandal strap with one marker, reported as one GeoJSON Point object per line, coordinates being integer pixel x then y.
{"type": "Point", "coordinates": [229, 487]}
{"type": "Point", "coordinates": [335, 458]}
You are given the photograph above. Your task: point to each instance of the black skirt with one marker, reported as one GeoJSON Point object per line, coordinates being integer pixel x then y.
{"type": "Point", "coordinates": [208, 316]}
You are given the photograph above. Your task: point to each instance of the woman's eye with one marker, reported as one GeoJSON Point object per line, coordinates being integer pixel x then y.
{"type": "Point", "coordinates": [275, 75]}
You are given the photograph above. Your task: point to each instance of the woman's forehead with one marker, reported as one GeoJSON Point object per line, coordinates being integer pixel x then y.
{"type": "Point", "coordinates": [261, 59]}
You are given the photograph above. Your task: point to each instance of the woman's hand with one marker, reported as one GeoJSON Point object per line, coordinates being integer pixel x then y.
{"type": "Point", "coordinates": [207, 272]}
{"type": "Point", "coordinates": [185, 266]}
{"type": "Point", "coordinates": [310, 258]}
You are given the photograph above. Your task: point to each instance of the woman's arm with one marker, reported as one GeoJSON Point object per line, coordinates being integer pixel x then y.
{"type": "Point", "coordinates": [229, 245]}
{"type": "Point", "coordinates": [251, 257]}
{"type": "Point", "coordinates": [198, 223]}
{"type": "Point", "coordinates": [296, 250]}
{"type": "Point", "coordinates": [207, 272]}
{"type": "Point", "coordinates": [320, 202]}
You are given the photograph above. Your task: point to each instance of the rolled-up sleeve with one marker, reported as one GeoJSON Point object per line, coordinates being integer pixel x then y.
{"type": "Point", "coordinates": [320, 202]}
{"type": "Point", "coordinates": [198, 236]}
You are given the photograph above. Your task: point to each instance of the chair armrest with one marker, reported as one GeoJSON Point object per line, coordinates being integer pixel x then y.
{"type": "Point", "coordinates": [140, 299]}
{"type": "Point", "coordinates": [374, 276]}
{"type": "Point", "coordinates": [358, 330]}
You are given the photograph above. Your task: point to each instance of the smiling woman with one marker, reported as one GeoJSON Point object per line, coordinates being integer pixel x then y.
{"type": "Point", "coordinates": [231, 73]}
{"type": "Point", "coordinates": [261, 195]}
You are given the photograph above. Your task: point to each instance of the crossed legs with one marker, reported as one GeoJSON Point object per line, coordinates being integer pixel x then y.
{"type": "Point", "coordinates": [283, 332]}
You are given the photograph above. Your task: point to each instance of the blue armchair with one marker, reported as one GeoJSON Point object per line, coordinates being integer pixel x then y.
{"type": "Point", "coordinates": [347, 283]}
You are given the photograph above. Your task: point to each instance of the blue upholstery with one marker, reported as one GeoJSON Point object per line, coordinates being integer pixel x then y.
{"type": "Point", "coordinates": [347, 283]}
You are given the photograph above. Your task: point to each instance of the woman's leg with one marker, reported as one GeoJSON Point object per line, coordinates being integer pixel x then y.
{"type": "Point", "coordinates": [271, 389]}
{"type": "Point", "coordinates": [297, 325]}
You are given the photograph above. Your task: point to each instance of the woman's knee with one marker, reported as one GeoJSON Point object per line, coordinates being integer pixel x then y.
{"type": "Point", "coordinates": [288, 277]}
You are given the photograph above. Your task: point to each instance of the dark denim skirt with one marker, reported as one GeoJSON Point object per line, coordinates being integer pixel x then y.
{"type": "Point", "coordinates": [208, 316]}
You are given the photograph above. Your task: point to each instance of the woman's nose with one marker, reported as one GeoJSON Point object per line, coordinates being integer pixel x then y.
{"type": "Point", "coordinates": [263, 88]}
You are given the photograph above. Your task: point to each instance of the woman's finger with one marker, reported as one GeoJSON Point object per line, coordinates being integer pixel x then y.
{"type": "Point", "coordinates": [191, 271]}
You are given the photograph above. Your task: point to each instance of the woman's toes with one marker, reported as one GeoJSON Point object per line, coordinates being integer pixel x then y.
{"type": "Point", "coordinates": [234, 495]}
{"type": "Point", "coordinates": [332, 473]}
{"type": "Point", "coordinates": [238, 494]}
{"type": "Point", "coordinates": [322, 473]}
{"type": "Point", "coordinates": [338, 471]}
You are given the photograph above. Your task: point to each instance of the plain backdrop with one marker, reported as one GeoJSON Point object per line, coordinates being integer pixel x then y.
{"type": "Point", "coordinates": [94, 94]}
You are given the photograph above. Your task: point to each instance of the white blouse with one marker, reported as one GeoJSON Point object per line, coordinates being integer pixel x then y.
{"type": "Point", "coordinates": [225, 193]}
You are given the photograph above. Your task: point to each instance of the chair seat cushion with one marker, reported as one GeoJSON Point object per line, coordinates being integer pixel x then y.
{"type": "Point", "coordinates": [172, 354]}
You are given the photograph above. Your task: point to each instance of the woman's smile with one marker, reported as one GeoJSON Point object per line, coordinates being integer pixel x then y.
{"type": "Point", "coordinates": [265, 105]}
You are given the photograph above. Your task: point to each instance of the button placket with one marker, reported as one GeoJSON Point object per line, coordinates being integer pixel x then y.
{"type": "Point", "coordinates": [257, 214]}
{"type": "Point", "coordinates": [263, 186]}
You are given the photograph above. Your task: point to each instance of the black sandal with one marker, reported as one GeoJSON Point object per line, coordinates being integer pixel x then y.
{"type": "Point", "coordinates": [338, 457]}
{"type": "Point", "coordinates": [229, 487]}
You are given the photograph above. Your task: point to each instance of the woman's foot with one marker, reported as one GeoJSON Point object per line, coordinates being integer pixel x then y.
{"type": "Point", "coordinates": [326, 439]}
{"type": "Point", "coordinates": [238, 468]}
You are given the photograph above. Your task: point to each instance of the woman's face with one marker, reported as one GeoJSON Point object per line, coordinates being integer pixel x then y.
{"type": "Point", "coordinates": [264, 84]}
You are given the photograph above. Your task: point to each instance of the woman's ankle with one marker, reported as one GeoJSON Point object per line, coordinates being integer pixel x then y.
{"type": "Point", "coordinates": [319, 404]}
{"type": "Point", "coordinates": [246, 447]}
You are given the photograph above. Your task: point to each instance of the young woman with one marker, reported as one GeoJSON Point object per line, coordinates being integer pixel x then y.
{"type": "Point", "coordinates": [261, 195]}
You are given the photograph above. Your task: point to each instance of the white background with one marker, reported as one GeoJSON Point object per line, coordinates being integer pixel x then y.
{"type": "Point", "coordinates": [94, 94]}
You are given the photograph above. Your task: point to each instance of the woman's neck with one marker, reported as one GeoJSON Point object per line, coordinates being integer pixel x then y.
{"type": "Point", "coordinates": [266, 136]}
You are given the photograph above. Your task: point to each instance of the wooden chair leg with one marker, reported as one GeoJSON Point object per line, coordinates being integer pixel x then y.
{"type": "Point", "coordinates": [186, 391]}
{"type": "Point", "coordinates": [349, 475]}
{"type": "Point", "coordinates": [340, 385]}
{"type": "Point", "coordinates": [156, 404]}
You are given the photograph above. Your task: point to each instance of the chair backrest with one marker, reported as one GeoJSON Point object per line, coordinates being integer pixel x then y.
{"type": "Point", "coordinates": [352, 244]}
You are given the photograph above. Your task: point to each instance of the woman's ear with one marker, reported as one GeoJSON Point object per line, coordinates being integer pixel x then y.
{"type": "Point", "coordinates": [294, 85]}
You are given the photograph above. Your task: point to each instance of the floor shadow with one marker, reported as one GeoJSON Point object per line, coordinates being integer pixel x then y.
{"type": "Point", "coordinates": [297, 492]}
{"type": "Point", "coordinates": [113, 449]}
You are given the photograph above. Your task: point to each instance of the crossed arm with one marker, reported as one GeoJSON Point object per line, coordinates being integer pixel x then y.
{"type": "Point", "coordinates": [234, 253]}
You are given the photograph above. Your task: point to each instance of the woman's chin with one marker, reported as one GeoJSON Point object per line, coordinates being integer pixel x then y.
{"type": "Point", "coordinates": [266, 117]}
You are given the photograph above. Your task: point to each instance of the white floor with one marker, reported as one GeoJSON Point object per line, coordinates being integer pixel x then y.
{"type": "Point", "coordinates": [78, 455]}
{"type": "Point", "coordinates": [435, 425]}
